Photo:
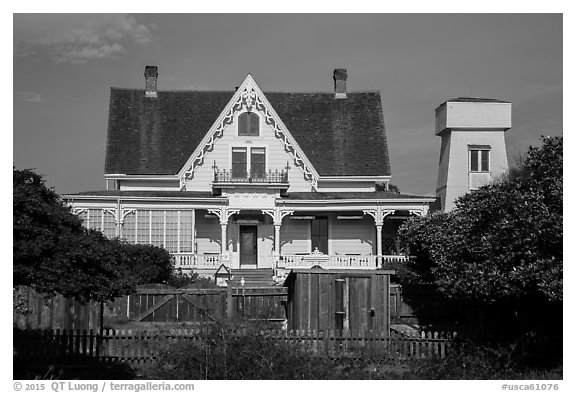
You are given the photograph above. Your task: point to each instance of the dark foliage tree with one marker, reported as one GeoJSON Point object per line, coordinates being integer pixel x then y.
{"type": "Point", "coordinates": [502, 244]}
{"type": "Point", "coordinates": [54, 253]}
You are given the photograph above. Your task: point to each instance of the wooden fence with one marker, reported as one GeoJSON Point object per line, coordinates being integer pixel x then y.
{"type": "Point", "coordinates": [152, 303]}
{"type": "Point", "coordinates": [84, 346]}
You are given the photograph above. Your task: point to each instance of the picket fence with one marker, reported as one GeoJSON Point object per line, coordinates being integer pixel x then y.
{"type": "Point", "coordinates": [80, 347]}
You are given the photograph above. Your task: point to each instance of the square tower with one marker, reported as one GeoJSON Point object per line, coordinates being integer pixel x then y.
{"type": "Point", "coordinates": [473, 149]}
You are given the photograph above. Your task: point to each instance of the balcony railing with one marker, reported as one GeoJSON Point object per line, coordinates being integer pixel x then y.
{"type": "Point", "coordinates": [292, 261]}
{"type": "Point", "coordinates": [198, 261]}
{"type": "Point", "coordinates": [228, 176]}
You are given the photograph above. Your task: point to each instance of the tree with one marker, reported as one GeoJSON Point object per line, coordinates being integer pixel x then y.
{"type": "Point", "coordinates": [54, 253]}
{"type": "Point", "coordinates": [504, 240]}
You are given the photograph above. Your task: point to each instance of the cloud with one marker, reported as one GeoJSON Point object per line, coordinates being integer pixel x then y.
{"type": "Point", "coordinates": [77, 38]}
{"type": "Point", "coordinates": [28, 96]}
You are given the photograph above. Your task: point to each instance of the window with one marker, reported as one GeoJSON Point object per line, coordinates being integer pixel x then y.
{"type": "Point", "coordinates": [479, 160]}
{"type": "Point", "coordinates": [254, 164]}
{"type": "Point", "coordinates": [248, 124]}
{"type": "Point", "coordinates": [239, 162]}
{"type": "Point", "coordinates": [171, 229]}
{"type": "Point", "coordinates": [320, 234]}
{"type": "Point", "coordinates": [258, 162]}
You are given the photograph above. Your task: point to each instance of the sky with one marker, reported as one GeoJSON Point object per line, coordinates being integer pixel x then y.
{"type": "Point", "coordinates": [65, 64]}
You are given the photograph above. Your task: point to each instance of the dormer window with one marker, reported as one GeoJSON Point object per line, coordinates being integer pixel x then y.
{"type": "Point", "coordinates": [248, 124]}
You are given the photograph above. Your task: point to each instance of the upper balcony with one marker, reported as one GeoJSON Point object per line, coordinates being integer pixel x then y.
{"type": "Point", "coordinates": [241, 177]}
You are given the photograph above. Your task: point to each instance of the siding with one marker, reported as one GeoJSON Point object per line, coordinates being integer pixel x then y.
{"type": "Point", "coordinates": [478, 115]}
{"type": "Point", "coordinates": [149, 185]}
{"type": "Point", "coordinates": [295, 236]}
{"type": "Point", "coordinates": [276, 157]}
{"type": "Point", "coordinates": [353, 236]}
{"type": "Point", "coordinates": [457, 182]}
{"type": "Point", "coordinates": [208, 235]}
{"type": "Point", "coordinates": [265, 245]}
{"type": "Point", "coordinates": [440, 119]}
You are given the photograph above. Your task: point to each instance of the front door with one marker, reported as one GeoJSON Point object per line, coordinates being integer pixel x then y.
{"type": "Point", "coordinates": [248, 245]}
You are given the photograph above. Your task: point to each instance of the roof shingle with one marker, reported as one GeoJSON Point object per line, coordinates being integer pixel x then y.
{"type": "Point", "coordinates": [340, 137]}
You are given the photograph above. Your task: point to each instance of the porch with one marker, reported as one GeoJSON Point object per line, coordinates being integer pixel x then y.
{"type": "Point", "coordinates": [209, 263]}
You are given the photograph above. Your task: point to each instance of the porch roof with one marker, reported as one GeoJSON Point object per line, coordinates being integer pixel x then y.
{"type": "Point", "coordinates": [144, 194]}
{"type": "Point", "coordinates": [378, 195]}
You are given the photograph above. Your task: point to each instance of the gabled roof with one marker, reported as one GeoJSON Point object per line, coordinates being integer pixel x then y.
{"type": "Point", "coordinates": [156, 136]}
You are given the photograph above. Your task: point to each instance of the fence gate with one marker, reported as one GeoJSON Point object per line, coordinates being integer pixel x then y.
{"type": "Point", "coordinates": [339, 300]}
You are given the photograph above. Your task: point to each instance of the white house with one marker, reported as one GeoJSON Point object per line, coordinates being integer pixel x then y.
{"type": "Point", "coordinates": [255, 181]}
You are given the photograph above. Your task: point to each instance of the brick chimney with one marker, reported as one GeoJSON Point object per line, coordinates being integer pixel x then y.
{"type": "Point", "coordinates": [340, 76]}
{"type": "Point", "coordinates": [151, 74]}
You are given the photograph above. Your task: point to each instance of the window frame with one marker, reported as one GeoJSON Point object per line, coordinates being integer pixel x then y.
{"type": "Point", "coordinates": [248, 149]}
{"type": "Point", "coordinates": [482, 154]}
{"type": "Point", "coordinates": [313, 235]}
{"type": "Point", "coordinates": [249, 115]}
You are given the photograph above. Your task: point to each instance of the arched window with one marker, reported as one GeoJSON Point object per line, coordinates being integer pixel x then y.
{"type": "Point", "coordinates": [248, 124]}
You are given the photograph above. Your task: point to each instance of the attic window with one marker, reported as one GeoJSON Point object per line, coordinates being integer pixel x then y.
{"type": "Point", "coordinates": [248, 124]}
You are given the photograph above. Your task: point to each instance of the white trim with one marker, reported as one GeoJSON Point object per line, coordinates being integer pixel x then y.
{"type": "Point", "coordinates": [113, 198]}
{"type": "Point", "coordinates": [350, 179]}
{"type": "Point", "coordinates": [285, 202]}
{"type": "Point", "coordinates": [248, 91]}
{"type": "Point", "coordinates": [120, 176]}
{"type": "Point", "coordinates": [249, 147]}
{"type": "Point", "coordinates": [237, 123]}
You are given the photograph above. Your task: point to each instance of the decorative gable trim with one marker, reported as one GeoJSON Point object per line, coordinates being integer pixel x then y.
{"type": "Point", "coordinates": [251, 97]}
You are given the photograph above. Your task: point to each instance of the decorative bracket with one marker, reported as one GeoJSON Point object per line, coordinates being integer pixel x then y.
{"type": "Point", "coordinates": [250, 98]}
{"type": "Point", "coordinates": [126, 213]}
{"type": "Point", "coordinates": [378, 214]}
{"type": "Point", "coordinates": [79, 210]}
{"type": "Point", "coordinates": [416, 212]}
{"type": "Point", "coordinates": [277, 215]}
{"type": "Point", "coordinates": [224, 214]}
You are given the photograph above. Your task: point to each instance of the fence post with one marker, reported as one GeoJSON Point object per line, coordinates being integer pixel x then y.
{"type": "Point", "coordinates": [229, 300]}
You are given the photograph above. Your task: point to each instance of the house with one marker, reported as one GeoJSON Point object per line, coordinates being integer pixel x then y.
{"type": "Point", "coordinates": [258, 181]}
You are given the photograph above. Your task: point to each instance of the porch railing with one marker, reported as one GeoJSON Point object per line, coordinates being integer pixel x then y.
{"type": "Point", "coordinates": [228, 176]}
{"type": "Point", "coordinates": [198, 261]}
{"type": "Point", "coordinates": [293, 261]}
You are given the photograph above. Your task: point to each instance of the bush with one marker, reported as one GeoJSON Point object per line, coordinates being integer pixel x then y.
{"type": "Point", "coordinates": [248, 351]}
{"type": "Point", "coordinates": [237, 351]}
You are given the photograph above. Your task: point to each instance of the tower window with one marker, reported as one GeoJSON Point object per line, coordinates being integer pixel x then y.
{"type": "Point", "coordinates": [248, 124]}
{"type": "Point", "coordinates": [479, 160]}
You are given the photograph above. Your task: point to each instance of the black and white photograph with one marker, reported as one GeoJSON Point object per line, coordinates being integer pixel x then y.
{"type": "Point", "coordinates": [254, 196]}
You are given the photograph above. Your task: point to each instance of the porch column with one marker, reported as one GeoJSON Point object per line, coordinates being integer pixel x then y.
{"type": "Point", "coordinates": [277, 215]}
{"type": "Point", "coordinates": [277, 239]}
{"type": "Point", "coordinates": [379, 243]}
{"type": "Point", "coordinates": [224, 214]}
{"type": "Point", "coordinates": [224, 228]}
{"type": "Point", "coordinates": [378, 214]}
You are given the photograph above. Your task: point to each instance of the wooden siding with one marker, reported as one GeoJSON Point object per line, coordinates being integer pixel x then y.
{"type": "Point", "coordinates": [208, 234]}
{"type": "Point", "coordinates": [352, 236]}
{"type": "Point", "coordinates": [440, 119]}
{"type": "Point", "coordinates": [265, 245]}
{"type": "Point", "coordinates": [457, 176]}
{"type": "Point", "coordinates": [148, 185]}
{"type": "Point", "coordinates": [295, 236]}
{"type": "Point", "coordinates": [276, 157]}
{"type": "Point", "coordinates": [335, 186]}
{"type": "Point", "coordinates": [478, 115]}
